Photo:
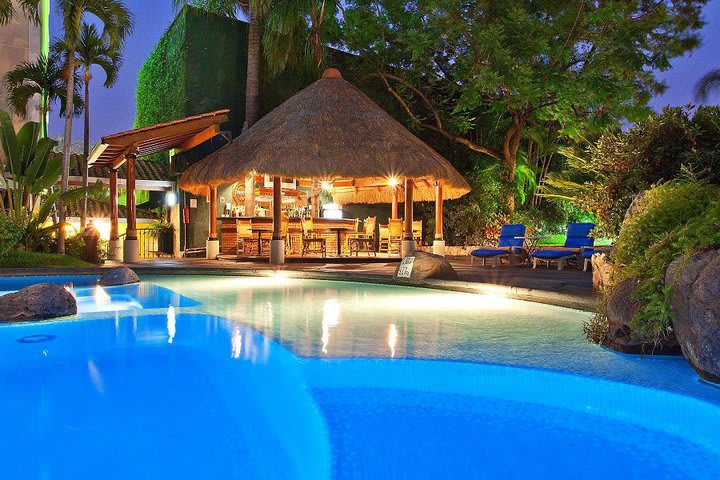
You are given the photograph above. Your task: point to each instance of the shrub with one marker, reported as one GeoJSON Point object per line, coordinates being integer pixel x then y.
{"type": "Point", "coordinates": [672, 219]}
{"type": "Point", "coordinates": [10, 235]}
{"type": "Point", "coordinates": [606, 177]}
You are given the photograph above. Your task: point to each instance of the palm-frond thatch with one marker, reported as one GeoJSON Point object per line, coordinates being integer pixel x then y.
{"type": "Point", "coordinates": [330, 131]}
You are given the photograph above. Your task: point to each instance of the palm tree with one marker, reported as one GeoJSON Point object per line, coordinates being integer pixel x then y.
{"type": "Point", "coordinates": [117, 23]}
{"type": "Point", "coordinates": [43, 76]}
{"type": "Point", "coordinates": [709, 82]}
{"type": "Point", "coordinates": [277, 30]}
{"type": "Point", "coordinates": [30, 8]}
{"type": "Point", "coordinates": [92, 49]}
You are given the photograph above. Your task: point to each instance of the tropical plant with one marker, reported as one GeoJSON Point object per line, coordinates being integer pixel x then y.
{"type": "Point", "coordinates": [608, 174]}
{"type": "Point", "coordinates": [671, 219]}
{"type": "Point", "coordinates": [117, 24]}
{"type": "Point", "coordinates": [92, 49]}
{"type": "Point", "coordinates": [28, 176]}
{"type": "Point", "coordinates": [482, 72]}
{"type": "Point", "coordinates": [707, 83]}
{"type": "Point", "coordinates": [29, 8]}
{"type": "Point", "coordinates": [44, 76]}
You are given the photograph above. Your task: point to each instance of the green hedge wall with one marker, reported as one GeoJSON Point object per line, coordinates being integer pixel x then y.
{"type": "Point", "coordinates": [160, 94]}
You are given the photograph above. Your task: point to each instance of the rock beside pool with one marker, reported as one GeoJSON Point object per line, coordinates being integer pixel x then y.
{"type": "Point", "coordinates": [602, 271]}
{"type": "Point", "coordinates": [119, 276]}
{"type": "Point", "coordinates": [37, 302]}
{"type": "Point", "coordinates": [696, 303]}
{"type": "Point", "coordinates": [419, 265]}
{"type": "Point", "coordinates": [621, 308]}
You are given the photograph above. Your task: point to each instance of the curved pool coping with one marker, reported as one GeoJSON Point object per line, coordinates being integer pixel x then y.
{"type": "Point", "coordinates": [548, 297]}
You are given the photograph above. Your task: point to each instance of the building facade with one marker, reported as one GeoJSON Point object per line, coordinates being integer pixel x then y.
{"type": "Point", "coordinates": [20, 41]}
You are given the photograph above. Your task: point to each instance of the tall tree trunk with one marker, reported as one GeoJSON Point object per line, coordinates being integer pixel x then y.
{"type": "Point", "coordinates": [511, 144]}
{"type": "Point", "coordinates": [252, 84]}
{"type": "Point", "coordinates": [67, 147]}
{"type": "Point", "coordinates": [86, 150]}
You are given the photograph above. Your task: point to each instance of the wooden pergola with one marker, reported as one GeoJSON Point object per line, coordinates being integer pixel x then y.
{"type": "Point", "coordinates": [125, 148]}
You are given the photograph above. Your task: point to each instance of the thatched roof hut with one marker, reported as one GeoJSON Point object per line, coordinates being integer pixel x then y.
{"type": "Point", "coordinates": [333, 132]}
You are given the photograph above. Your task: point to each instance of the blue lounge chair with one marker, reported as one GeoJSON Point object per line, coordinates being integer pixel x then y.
{"type": "Point", "coordinates": [508, 246]}
{"type": "Point", "coordinates": [577, 240]}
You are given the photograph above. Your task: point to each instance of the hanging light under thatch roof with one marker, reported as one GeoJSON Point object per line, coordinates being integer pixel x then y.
{"type": "Point", "coordinates": [332, 132]}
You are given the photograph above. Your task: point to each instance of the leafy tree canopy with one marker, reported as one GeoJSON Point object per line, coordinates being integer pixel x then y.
{"type": "Point", "coordinates": [481, 72]}
{"type": "Point", "coordinates": [608, 174]}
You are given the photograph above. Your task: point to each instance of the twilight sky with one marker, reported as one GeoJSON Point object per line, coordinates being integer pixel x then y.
{"type": "Point", "coordinates": [113, 110]}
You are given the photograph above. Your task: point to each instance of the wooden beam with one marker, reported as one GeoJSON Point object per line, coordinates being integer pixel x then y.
{"type": "Point", "coordinates": [394, 214]}
{"type": "Point", "coordinates": [120, 160]}
{"type": "Point", "coordinates": [131, 233]}
{"type": "Point", "coordinates": [408, 209]}
{"type": "Point", "coordinates": [199, 138]}
{"type": "Point", "coordinates": [167, 130]}
{"type": "Point", "coordinates": [213, 214]}
{"type": "Point", "coordinates": [113, 205]}
{"type": "Point", "coordinates": [439, 211]}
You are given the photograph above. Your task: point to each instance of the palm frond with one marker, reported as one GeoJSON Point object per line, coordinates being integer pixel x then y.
{"type": "Point", "coordinates": [707, 83]}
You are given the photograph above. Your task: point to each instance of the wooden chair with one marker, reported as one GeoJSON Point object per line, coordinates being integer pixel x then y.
{"type": "Point", "coordinates": [417, 231]}
{"type": "Point", "coordinates": [384, 236]}
{"type": "Point", "coordinates": [395, 236]}
{"type": "Point", "coordinates": [363, 241]}
{"type": "Point", "coordinates": [245, 239]}
{"type": "Point", "coordinates": [311, 242]}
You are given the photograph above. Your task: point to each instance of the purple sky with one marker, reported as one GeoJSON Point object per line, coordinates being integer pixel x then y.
{"type": "Point", "coordinates": [113, 110]}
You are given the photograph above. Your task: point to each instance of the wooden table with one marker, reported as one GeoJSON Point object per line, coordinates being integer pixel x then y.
{"type": "Point", "coordinates": [260, 231]}
{"type": "Point", "coordinates": [339, 231]}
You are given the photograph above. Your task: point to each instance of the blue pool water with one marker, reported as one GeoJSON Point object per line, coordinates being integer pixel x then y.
{"type": "Point", "coordinates": [254, 378]}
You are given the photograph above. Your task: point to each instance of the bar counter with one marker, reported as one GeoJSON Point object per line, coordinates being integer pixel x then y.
{"type": "Point", "coordinates": [322, 227]}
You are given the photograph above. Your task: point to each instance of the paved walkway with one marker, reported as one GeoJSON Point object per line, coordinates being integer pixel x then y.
{"type": "Point", "coordinates": [569, 288]}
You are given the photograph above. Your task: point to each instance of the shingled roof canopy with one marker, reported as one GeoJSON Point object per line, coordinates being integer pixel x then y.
{"type": "Point", "coordinates": [180, 135]}
{"type": "Point", "coordinates": [331, 131]}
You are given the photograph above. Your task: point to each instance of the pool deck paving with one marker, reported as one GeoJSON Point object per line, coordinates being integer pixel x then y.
{"type": "Point", "coordinates": [567, 288]}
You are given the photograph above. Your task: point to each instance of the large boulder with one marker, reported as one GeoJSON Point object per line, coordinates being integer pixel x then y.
{"type": "Point", "coordinates": [119, 276]}
{"type": "Point", "coordinates": [419, 265]}
{"type": "Point", "coordinates": [37, 302]}
{"type": "Point", "coordinates": [696, 303]}
{"type": "Point", "coordinates": [621, 308]}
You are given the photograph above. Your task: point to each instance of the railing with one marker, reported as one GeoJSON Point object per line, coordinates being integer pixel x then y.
{"type": "Point", "coordinates": [153, 243]}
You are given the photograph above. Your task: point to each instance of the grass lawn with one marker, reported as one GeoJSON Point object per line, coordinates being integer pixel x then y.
{"type": "Point", "coordinates": [40, 260]}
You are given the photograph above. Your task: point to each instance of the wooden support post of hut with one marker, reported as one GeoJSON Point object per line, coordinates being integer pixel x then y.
{"type": "Point", "coordinates": [114, 243]}
{"type": "Point", "coordinates": [250, 194]}
{"type": "Point", "coordinates": [408, 243]}
{"type": "Point", "coordinates": [394, 211]}
{"type": "Point", "coordinates": [131, 245]}
{"type": "Point", "coordinates": [212, 246]}
{"type": "Point", "coordinates": [277, 245]}
{"type": "Point", "coordinates": [439, 241]}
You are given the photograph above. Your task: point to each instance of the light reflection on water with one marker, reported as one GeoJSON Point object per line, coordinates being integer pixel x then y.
{"type": "Point", "coordinates": [339, 319]}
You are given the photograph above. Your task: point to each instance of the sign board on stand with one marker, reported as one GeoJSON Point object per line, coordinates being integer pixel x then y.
{"type": "Point", "coordinates": [405, 268]}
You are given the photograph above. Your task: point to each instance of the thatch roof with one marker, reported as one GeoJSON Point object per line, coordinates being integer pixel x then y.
{"type": "Point", "coordinates": [330, 131]}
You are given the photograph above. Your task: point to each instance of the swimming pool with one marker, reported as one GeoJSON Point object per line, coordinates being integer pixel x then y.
{"type": "Point", "coordinates": [282, 378]}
